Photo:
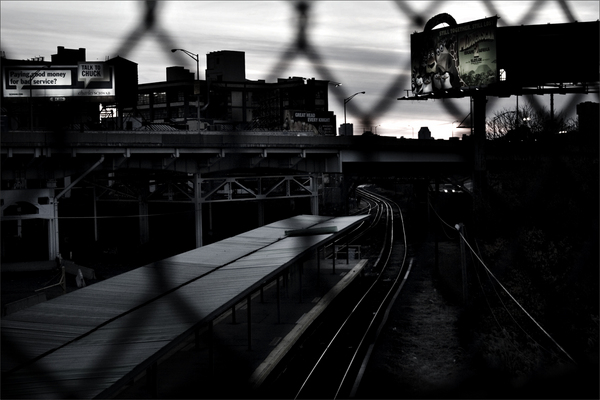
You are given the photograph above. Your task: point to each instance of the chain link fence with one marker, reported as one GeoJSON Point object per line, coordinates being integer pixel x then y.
{"type": "Point", "coordinates": [411, 15]}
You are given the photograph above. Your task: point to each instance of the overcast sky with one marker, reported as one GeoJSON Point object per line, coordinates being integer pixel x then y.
{"type": "Point", "coordinates": [365, 45]}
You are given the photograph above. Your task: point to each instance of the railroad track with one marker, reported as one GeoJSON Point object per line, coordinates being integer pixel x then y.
{"type": "Point", "coordinates": [330, 361]}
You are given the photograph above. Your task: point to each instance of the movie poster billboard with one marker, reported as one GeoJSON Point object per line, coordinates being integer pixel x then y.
{"type": "Point", "coordinates": [461, 56]}
{"type": "Point", "coordinates": [320, 122]}
{"type": "Point", "coordinates": [86, 79]}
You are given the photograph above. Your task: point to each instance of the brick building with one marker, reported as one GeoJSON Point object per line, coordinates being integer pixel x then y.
{"type": "Point", "coordinates": [229, 101]}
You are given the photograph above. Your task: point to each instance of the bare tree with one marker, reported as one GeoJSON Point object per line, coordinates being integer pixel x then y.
{"type": "Point", "coordinates": [527, 123]}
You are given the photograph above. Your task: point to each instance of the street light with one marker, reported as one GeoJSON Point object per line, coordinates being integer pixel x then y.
{"type": "Point", "coordinates": [196, 58]}
{"type": "Point", "coordinates": [346, 100]}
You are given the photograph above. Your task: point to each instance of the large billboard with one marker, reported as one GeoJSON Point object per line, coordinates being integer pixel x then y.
{"type": "Point", "coordinates": [320, 122]}
{"type": "Point", "coordinates": [86, 79]}
{"type": "Point", "coordinates": [450, 58]}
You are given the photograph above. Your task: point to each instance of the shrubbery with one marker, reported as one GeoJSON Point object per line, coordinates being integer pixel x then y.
{"type": "Point", "coordinates": [541, 241]}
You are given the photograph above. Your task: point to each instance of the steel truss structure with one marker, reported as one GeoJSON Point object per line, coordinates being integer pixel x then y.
{"type": "Point", "coordinates": [214, 189]}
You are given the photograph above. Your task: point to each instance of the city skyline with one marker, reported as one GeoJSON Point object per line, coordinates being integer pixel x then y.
{"type": "Point", "coordinates": [365, 46]}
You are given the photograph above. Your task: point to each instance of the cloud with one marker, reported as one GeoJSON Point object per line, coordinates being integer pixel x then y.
{"type": "Point", "coordinates": [363, 44]}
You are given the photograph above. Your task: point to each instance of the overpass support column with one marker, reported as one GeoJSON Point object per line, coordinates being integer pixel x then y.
{"type": "Point", "coordinates": [198, 209]}
{"type": "Point", "coordinates": [261, 213]}
{"type": "Point", "coordinates": [95, 215]}
{"type": "Point", "coordinates": [144, 221]}
{"type": "Point", "coordinates": [53, 249]}
{"type": "Point", "coordinates": [54, 237]}
{"type": "Point", "coordinates": [314, 199]}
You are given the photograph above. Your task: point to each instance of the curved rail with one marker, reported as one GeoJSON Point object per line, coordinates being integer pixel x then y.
{"type": "Point", "coordinates": [358, 328]}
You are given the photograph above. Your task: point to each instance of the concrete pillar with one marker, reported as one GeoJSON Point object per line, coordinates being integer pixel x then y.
{"type": "Point", "coordinates": [314, 199]}
{"type": "Point", "coordinates": [211, 351]}
{"type": "Point", "coordinates": [261, 213]}
{"type": "Point", "coordinates": [278, 301]}
{"type": "Point", "coordinates": [210, 217]}
{"type": "Point", "coordinates": [95, 215]}
{"type": "Point", "coordinates": [52, 239]}
{"type": "Point", "coordinates": [144, 221]}
{"type": "Point", "coordinates": [333, 257]}
{"type": "Point", "coordinates": [53, 248]}
{"type": "Point", "coordinates": [198, 209]}
{"type": "Point", "coordinates": [249, 311]}
{"type": "Point", "coordinates": [300, 282]}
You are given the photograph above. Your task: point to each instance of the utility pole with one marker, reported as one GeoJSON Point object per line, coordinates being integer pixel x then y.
{"type": "Point", "coordinates": [463, 262]}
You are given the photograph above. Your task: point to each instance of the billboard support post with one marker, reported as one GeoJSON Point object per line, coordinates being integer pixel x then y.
{"type": "Point", "coordinates": [479, 164]}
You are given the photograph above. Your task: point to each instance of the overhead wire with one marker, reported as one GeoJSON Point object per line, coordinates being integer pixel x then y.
{"type": "Point", "coordinates": [515, 300]}
{"type": "Point", "coordinates": [503, 328]}
{"type": "Point", "coordinates": [490, 274]}
{"type": "Point", "coordinates": [506, 308]}
{"type": "Point", "coordinates": [442, 221]}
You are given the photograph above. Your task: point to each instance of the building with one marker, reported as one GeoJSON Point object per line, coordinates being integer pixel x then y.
{"type": "Point", "coordinates": [587, 114]}
{"type": "Point", "coordinates": [346, 129]}
{"type": "Point", "coordinates": [70, 93]}
{"type": "Point", "coordinates": [227, 101]}
{"type": "Point", "coordinates": [424, 133]}
{"type": "Point", "coordinates": [66, 93]}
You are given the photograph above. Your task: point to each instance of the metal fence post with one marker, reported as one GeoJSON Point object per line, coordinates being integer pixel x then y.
{"type": "Point", "coordinates": [463, 263]}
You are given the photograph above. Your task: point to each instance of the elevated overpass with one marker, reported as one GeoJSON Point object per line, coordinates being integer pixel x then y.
{"type": "Point", "coordinates": [40, 168]}
{"type": "Point", "coordinates": [215, 152]}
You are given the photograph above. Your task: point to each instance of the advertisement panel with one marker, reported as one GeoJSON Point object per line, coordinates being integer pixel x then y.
{"type": "Point", "coordinates": [461, 56]}
{"type": "Point", "coordinates": [320, 122]}
{"type": "Point", "coordinates": [86, 79]}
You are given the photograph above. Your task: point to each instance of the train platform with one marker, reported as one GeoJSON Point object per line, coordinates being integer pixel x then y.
{"type": "Point", "coordinates": [237, 368]}
{"type": "Point", "coordinates": [230, 309]}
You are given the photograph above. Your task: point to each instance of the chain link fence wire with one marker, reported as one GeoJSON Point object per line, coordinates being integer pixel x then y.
{"type": "Point", "coordinates": [149, 26]}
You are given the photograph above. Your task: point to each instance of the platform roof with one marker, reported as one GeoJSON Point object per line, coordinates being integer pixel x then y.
{"type": "Point", "coordinates": [90, 342]}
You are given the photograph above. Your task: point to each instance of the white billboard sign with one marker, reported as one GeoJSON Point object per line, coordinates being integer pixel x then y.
{"type": "Point", "coordinates": [85, 79]}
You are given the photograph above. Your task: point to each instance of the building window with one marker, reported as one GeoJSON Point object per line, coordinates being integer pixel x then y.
{"type": "Point", "coordinates": [160, 98]}
{"type": "Point", "coordinates": [177, 112]}
{"type": "Point", "coordinates": [160, 113]}
{"type": "Point", "coordinates": [502, 75]}
{"type": "Point", "coordinates": [145, 115]}
{"type": "Point", "coordinates": [143, 98]}
{"type": "Point", "coordinates": [180, 96]}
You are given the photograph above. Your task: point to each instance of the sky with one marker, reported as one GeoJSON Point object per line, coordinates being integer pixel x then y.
{"type": "Point", "coordinates": [364, 45]}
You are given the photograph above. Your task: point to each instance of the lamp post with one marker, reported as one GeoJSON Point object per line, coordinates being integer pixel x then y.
{"type": "Point", "coordinates": [196, 58]}
{"type": "Point", "coordinates": [346, 100]}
